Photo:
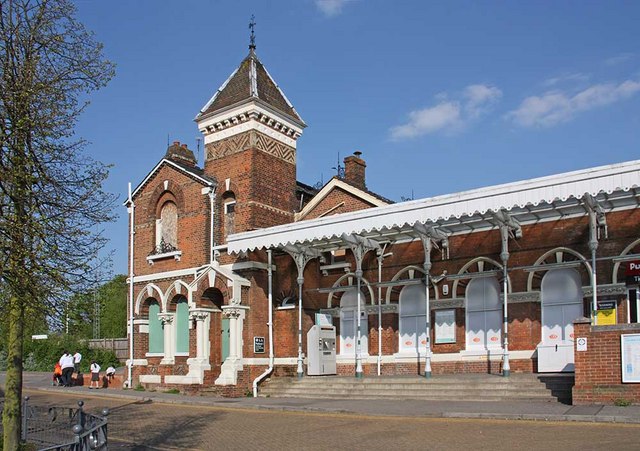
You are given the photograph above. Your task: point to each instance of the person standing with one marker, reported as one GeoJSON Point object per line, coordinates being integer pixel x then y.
{"type": "Point", "coordinates": [95, 374]}
{"type": "Point", "coordinates": [77, 357]}
{"type": "Point", "coordinates": [66, 363]}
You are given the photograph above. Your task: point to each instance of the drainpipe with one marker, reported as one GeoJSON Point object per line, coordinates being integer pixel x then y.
{"type": "Point", "coordinates": [381, 257]}
{"type": "Point", "coordinates": [269, 370]}
{"type": "Point", "coordinates": [212, 195]}
{"type": "Point", "coordinates": [131, 210]}
{"type": "Point", "coordinates": [504, 255]}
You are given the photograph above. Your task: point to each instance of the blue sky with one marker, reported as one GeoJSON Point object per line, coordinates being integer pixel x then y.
{"type": "Point", "coordinates": [439, 96]}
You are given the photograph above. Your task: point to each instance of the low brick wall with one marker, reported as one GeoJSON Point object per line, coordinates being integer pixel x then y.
{"type": "Point", "coordinates": [598, 370]}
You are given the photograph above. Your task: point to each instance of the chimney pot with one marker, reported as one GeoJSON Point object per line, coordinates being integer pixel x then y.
{"type": "Point", "coordinates": [357, 153]}
{"type": "Point", "coordinates": [184, 146]}
{"type": "Point", "coordinates": [176, 143]}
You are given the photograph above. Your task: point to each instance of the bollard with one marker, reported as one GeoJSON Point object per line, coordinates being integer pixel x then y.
{"type": "Point", "coordinates": [25, 407]}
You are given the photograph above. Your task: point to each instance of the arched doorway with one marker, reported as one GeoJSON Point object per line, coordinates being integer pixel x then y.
{"type": "Point", "coordinates": [561, 296]}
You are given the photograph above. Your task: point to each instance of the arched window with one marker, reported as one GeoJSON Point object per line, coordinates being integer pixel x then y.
{"type": "Point", "coordinates": [167, 228]}
{"type": "Point", "coordinates": [182, 326]}
{"type": "Point", "coordinates": [349, 324]}
{"type": "Point", "coordinates": [484, 314]}
{"type": "Point", "coordinates": [561, 304]}
{"type": "Point", "coordinates": [229, 200]}
{"type": "Point", "coordinates": [413, 318]}
{"type": "Point", "coordinates": [156, 334]}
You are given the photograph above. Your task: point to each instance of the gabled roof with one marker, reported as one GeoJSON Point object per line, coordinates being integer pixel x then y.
{"type": "Point", "coordinates": [193, 172]}
{"type": "Point", "coordinates": [249, 81]}
{"type": "Point", "coordinates": [337, 183]}
{"type": "Point", "coordinates": [614, 187]}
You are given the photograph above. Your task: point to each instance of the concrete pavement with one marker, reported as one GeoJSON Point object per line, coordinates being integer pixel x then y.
{"type": "Point", "coordinates": [539, 411]}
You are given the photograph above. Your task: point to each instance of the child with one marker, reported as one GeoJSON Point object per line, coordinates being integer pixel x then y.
{"type": "Point", "coordinates": [57, 374]}
{"type": "Point", "coordinates": [111, 373]}
{"type": "Point", "coordinates": [95, 374]}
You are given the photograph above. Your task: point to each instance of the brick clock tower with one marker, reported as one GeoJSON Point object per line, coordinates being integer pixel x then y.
{"type": "Point", "coordinates": [250, 131]}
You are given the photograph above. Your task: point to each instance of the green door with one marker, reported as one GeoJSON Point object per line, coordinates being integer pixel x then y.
{"type": "Point", "coordinates": [224, 338]}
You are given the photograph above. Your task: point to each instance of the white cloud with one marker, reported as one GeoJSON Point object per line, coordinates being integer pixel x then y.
{"type": "Point", "coordinates": [480, 98]}
{"type": "Point", "coordinates": [572, 78]}
{"type": "Point", "coordinates": [330, 8]}
{"type": "Point", "coordinates": [554, 107]}
{"type": "Point", "coordinates": [448, 115]}
{"type": "Point", "coordinates": [618, 59]}
{"type": "Point", "coordinates": [428, 120]}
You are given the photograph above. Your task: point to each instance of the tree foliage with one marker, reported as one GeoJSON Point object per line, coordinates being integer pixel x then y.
{"type": "Point", "coordinates": [50, 192]}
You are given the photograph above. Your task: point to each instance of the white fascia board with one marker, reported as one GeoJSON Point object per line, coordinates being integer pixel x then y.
{"type": "Point", "coordinates": [616, 177]}
{"type": "Point", "coordinates": [337, 183]}
{"type": "Point", "coordinates": [175, 166]}
{"type": "Point", "coordinates": [249, 107]}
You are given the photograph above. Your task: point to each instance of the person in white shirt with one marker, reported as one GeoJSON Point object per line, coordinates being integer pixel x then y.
{"type": "Point", "coordinates": [111, 372]}
{"type": "Point", "coordinates": [66, 363]}
{"type": "Point", "coordinates": [77, 357]}
{"type": "Point", "coordinates": [95, 375]}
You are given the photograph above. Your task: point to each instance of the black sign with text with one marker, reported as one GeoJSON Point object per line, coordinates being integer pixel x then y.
{"type": "Point", "coordinates": [258, 345]}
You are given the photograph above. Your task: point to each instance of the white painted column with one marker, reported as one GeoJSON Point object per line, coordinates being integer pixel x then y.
{"type": "Point", "coordinates": [504, 255]}
{"type": "Point", "coordinates": [169, 338]}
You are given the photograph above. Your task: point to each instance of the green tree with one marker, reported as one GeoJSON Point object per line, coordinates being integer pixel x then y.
{"type": "Point", "coordinates": [113, 308]}
{"type": "Point", "coordinates": [51, 195]}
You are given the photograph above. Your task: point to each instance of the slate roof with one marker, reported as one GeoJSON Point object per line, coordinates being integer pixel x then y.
{"type": "Point", "coordinates": [250, 80]}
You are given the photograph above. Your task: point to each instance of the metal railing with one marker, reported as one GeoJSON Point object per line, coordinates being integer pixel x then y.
{"type": "Point", "coordinates": [63, 428]}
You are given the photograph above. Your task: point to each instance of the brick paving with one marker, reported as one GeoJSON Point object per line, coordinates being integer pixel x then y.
{"type": "Point", "coordinates": [137, 424]}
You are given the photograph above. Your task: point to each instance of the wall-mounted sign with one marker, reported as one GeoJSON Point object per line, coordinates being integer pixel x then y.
{"type": "Point", "coordinates": [324, 319]}
{"type": "Point", "coordinates": [581, 344]}
{"type": "Point", "coordinates": [258, 345]}
{"type": "Point", "coordinates": [630, 351]}
{"type": "Point", "coordinates": [606, 313]}
{"type": "Point", "coordinates": [445, 326]}
{"type": "Point", "coordinates": [632, 272]}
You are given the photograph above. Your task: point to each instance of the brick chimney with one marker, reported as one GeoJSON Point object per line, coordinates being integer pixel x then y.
{"type": "Point", "coordinates": [354, 167]}
{"type": "Point", "coordinates": [181, 154]}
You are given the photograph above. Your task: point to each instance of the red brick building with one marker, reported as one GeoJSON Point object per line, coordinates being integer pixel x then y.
{"type": "Point", "coordinates": [235, 262]}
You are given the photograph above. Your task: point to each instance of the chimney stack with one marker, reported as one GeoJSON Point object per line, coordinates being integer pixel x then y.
{"type": "Point", "coordinates": [180, 153]}
{"type": "Point", "coordinates": [354, 168]}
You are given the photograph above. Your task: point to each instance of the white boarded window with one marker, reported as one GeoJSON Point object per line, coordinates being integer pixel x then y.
{"type": "Point", "coordinates": [484, 314]}
{"type": "Point", "coordinates": [561, 304]}
{"type": "Point", "coordinates": [349, 323]}
{"type": "Point", "coordinates": [413, 318]}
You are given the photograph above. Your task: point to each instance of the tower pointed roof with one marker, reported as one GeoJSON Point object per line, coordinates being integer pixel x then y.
{"type": "Point", "coordinates": [250, 81]}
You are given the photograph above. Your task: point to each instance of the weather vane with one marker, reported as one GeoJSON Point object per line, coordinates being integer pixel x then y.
{"type": "Point", "coordinates": [252, 38]}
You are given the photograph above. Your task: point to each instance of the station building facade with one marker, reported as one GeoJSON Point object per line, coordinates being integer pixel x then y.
{"type": "Point", "coordinates": [233, 263]}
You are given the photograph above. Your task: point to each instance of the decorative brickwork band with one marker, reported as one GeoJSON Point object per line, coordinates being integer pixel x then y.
{"type": "Point", "coordinates": [250, 140]}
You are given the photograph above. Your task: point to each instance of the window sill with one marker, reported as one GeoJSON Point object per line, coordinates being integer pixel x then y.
{"type": "Point", "coordinates": [175, 254]}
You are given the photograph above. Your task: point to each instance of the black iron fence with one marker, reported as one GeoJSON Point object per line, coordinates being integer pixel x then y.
{"type": "Point", "coordinates": [63, 428]}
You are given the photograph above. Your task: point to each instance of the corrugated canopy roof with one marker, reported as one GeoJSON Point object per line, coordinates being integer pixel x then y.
{"type": "Point", "coordinates": [614, 187]}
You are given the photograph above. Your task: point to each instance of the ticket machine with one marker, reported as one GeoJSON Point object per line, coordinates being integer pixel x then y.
{"type": "Point", "coordinates": [321, 350]}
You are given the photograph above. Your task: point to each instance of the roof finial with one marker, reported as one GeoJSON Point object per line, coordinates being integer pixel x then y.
{"type": "Point", "coordinates": [252, 37]}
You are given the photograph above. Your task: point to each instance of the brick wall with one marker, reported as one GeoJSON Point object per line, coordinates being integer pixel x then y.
{"type": "Point", "coordinates": [598, 370]}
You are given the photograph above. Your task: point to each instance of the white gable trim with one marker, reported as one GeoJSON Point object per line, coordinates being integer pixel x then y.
{"type": "Point", "coordinates": [175, 166]}
{"type": "Point", "coordinates": [337, 183]}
